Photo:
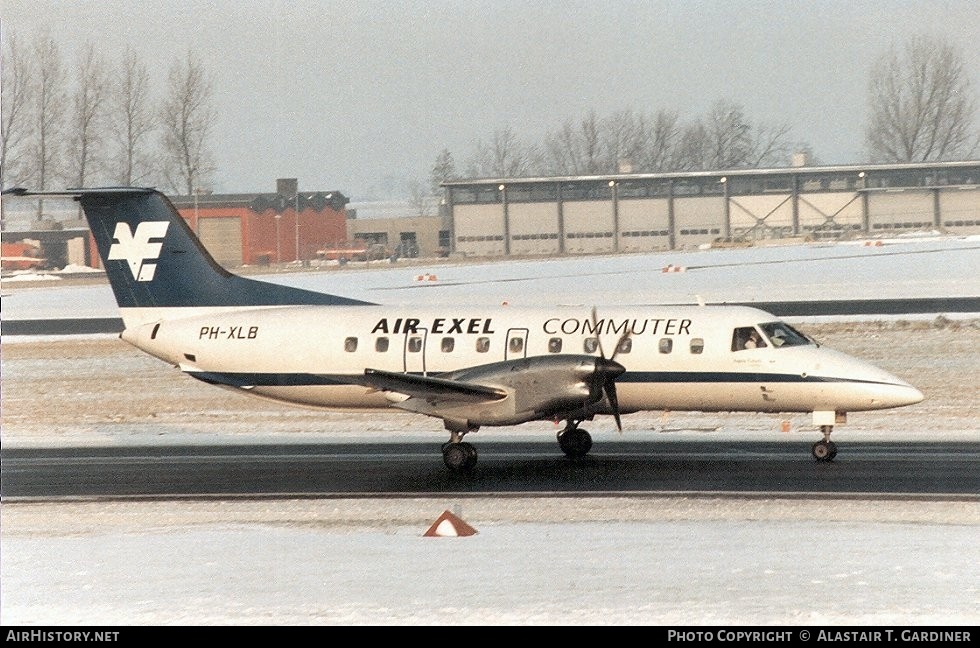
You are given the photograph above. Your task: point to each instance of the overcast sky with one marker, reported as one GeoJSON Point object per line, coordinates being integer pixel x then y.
{"type": "Point", "coordinates": [358, 96]}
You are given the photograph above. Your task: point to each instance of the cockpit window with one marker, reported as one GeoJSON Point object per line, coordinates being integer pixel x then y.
{"type": "Point", "coordinates": [782, 334]}
{"type": "Point", "coordinates": [747, 337]}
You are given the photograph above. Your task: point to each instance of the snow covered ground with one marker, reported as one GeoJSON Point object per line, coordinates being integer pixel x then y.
{"type": "Point", "coordinates": [663, 560]}
{"type": "Point", "coordinates": [672, 561]}
{"type": "Point", "coordinates": [930, 267]}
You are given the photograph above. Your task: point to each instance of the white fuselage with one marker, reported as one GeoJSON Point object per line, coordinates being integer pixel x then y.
{"type": "Point", "coordinates": [678, 358]}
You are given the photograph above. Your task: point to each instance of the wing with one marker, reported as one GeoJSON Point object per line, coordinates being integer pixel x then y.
{"type": "Point", "coordinates": [432, 389]}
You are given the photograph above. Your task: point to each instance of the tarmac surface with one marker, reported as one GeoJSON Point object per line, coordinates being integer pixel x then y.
{"type": "Point", "coordinates": [719, 468]}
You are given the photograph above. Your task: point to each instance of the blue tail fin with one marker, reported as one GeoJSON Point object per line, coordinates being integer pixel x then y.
{"type": "Point", "coordinates": [153, 259]}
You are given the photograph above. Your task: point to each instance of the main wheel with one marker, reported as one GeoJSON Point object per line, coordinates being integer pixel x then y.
{"type": "Point", "coordinates": [575, 443]}
{"type": "Point", "coordinates": [824, 451]}
{"type": "Point", "coordinates": [460, 457]}
{"type": "Point", "coordinates": [470, 455]}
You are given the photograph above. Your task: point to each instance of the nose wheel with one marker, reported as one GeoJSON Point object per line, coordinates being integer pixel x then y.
{"type": "Point", "coordinates": [825, 450]}
{"type": "Point", "coordinates": [574, 441]}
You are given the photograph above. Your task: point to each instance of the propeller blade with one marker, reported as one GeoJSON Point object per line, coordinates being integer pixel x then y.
{"type": "Point", "coordinates": [603, 385]}
{"type": "Point", "coordinates": [620, 342]}
{"type": "Point", "coordinates": [607, 371]}
{"type": "Point", "coordinates": [595, 327]}
{"type": "Point", "coordinates": [610, 389]}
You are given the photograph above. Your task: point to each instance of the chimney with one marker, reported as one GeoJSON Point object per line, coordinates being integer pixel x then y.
{"type": "Point", "coordinates": [287, 187]}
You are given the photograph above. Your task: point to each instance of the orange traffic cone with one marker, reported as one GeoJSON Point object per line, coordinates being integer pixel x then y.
{"type": "Point", "coordinates": [448, 525]}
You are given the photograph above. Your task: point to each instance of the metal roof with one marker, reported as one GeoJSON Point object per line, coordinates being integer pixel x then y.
{"type": "Point", "coordinates": [782, 171]}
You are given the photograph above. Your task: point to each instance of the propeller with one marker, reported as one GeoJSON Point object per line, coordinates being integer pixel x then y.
{"type": "Point", "coordinates": [607, 370]}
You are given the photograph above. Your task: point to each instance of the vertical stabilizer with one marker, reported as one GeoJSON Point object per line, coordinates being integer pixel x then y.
{"type": "Point", "coordinates": [153, 260]}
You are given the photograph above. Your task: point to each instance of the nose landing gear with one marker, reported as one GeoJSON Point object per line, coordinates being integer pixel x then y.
{"type": "Point", "coordinates": [825, 450]}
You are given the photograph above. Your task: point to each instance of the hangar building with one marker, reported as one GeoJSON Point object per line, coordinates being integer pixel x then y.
{"type": "Point", "coordinates": [651, 211]}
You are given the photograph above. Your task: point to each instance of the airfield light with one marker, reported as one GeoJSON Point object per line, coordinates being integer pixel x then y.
{"type": "Point", "coordinates": [612, 183]}
{"type": "Point", "coordinates": [723, 179]}
{"type": "Point", "coordinates": [861, 175]}
{"type": "Point", "coordinates": [501, 187]}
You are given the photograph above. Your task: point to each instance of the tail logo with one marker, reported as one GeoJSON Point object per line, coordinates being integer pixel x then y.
{"type": "Point", "coordinates": [136, 249]}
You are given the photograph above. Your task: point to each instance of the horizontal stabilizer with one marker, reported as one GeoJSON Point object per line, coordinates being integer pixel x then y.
{"type": "Point", "coordinates": [426, 387]}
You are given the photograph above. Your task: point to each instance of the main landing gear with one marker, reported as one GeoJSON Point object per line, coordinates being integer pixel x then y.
{"type": "Point", "coordinates": [574, 442]}
{"type": "Point", "coordinates": [459, 455]}
{"type": "Point", "coordinates": [825, 450]}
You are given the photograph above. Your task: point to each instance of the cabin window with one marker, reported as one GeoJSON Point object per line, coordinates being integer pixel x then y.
{"type": "Point", "coordinates": [624, 346]}
{"type": "Point", "coordinates": [516, 345]}
{"type": "Point", "coordinates": [554, 345]}
{"type": "Point", "coordinates": [447, 344]}
{"type": "Point", "coordinates": [697, 345]}
{"type": "Point", "coordinates": [746, 337]}
{"type": "Point", "coordinates": [414, 344]}
{"type": "Point", "coordinates": [666, 345]}
{"type": "Point", "coordinates": [350, 344]}
{"type": "Point", "coordinates": [482, 344]}
{"type": "Point", "coordinates": [590, 345]}
{"type": "Point", "coordinates": [381, 344]}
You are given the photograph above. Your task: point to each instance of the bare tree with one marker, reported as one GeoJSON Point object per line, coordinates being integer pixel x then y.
{"type": "Point", "coordinates": [88, 102]}
{"type": "Point", "coordinates": [16, 73]}
{"type": "Point", "coordinates": [922, 105]}
{"type": "Point", "coordinates": [770, 146]}
{"type": "Point", "coordinates": [726, 139]}
{"type": "Point", "coordinates": [729, 136]}
{"type": "Point", "coordinates": [607, 145]}
{"type": "Point", "coordinates": [48, 109]}
{"type": "Point", "coordinates": [419, 198]}
{"type": "Point", "coordinates": [659, 151]}
{"type": "Point", "coordinates": [722, 139]}
{"type": "Point", "coordinates": [444, 169]}
{"type": "Point", "coordinates": [133, 121]}
{"type": "Point", "coordinates": [187, 118]}
{"type": "Point", "coordinates": [577, 149]}
{"type": "Point", "coordinates": [624, 138]}
{"type": "Point", "coordinates": [504, 157]}
{"type": "Point", "coordinates": [692, 151]}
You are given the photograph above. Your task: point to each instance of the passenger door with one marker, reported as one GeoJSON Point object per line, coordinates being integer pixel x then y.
{"type": "Point", "coordinates": [415, 344]}
{"type": "Point", "coordinates": [516, 344]}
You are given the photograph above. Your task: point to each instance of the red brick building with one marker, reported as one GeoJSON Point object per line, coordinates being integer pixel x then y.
{"type": "Point", "coordinates": [258, 229]}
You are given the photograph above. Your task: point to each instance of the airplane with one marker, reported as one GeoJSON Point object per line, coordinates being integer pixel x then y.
{"type": "Point", "coordinates": [469, 367]}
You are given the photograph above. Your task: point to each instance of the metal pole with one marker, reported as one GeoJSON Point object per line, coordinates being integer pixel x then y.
{"type": "Point", "coordinates": [278, 246]}
{"type": "Point", "coordinates": [296, 215]}
{"type": "Point", "coordinates": [613, 188]}
{"type": "Point", "coordinates": [503, 198]}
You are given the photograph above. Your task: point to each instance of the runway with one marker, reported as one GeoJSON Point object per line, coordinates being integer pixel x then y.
{"type": "Point", "coordinates": [914, 469]}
